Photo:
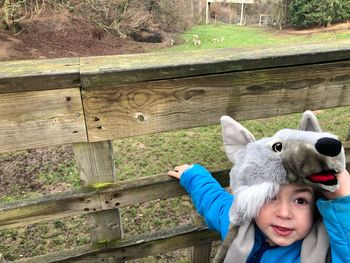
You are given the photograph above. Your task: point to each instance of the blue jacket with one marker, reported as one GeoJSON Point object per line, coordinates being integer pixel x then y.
{"type": "Point", "coordinates": [214, 202]}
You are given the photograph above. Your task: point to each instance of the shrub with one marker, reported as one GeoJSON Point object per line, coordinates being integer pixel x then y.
{"type": "Point", "coordinates": [144, 19]}
{"type": "Point", "coordinates": [121, 18]}
{"type": "Point", "coordinates": [318, 12]}
{"type": "Point", "coordinates": [12, 12]}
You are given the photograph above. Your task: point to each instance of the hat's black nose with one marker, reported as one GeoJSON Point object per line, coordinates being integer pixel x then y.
{"type": "Point", "coordinates": [328, 146]}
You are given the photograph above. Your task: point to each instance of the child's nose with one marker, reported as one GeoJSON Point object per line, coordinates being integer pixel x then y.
{"type": "Point", "coordinates": [284, 211]}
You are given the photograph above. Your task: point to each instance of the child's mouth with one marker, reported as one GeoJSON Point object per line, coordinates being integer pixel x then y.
{"type": "Point", "coordinates": [326, 177]}
{"type": "Point", "coordinates": [282, 231]}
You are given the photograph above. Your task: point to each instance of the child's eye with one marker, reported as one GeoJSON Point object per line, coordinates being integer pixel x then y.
{"type": "Point", "coordinates": [273, 199]}
{"type": "Point", "coordinates": [301, 201]}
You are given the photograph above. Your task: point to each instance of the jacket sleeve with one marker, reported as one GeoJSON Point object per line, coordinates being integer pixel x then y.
{"type": "Point", "coordinates": [336, 217]}
{"type": "Point", "coordinates": [209, 198]}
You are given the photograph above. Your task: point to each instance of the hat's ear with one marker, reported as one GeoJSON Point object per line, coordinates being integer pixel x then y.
{"type": "Point", "coordinates": [309, 122]}
{"type": "Point", "coordinates": [235, 137]}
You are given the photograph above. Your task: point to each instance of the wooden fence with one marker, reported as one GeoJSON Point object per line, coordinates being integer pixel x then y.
{"type": "Point", "coordinates": [89, 101]}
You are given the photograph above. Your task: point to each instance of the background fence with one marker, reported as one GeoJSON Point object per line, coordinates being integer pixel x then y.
{"type": "Point", "coordinates": [89, 101]}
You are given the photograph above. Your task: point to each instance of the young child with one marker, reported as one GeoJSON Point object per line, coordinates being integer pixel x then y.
{"type": "Point", "coordinates": [282, 224]}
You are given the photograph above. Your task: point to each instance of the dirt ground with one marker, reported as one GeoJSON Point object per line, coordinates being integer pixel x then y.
{"type": "Point", "coordinates": [64, 35]}
{"type": "Point", "coordinates": [335, 27]}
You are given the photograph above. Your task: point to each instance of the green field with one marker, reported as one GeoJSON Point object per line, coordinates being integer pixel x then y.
{"type": "Point", "coordinates": [233, 36]}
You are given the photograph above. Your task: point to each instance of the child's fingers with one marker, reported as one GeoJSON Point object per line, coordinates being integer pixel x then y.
{"type": "Point", "coordinates": [178, 171]}
{"type": "Point", "coordinates": [181, 168]}
{"type": "Point", "coordinates": [174, 174]}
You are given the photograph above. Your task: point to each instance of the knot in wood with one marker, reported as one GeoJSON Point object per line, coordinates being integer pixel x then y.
{"type": "Point", "coordinates": [140, 117]}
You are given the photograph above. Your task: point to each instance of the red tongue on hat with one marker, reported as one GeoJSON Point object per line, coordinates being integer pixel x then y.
{"type": "Point", "coordinates": [321, 177]}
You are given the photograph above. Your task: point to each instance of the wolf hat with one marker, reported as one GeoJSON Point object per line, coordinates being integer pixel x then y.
{"type": "Point", "coordinates": [305, 155]}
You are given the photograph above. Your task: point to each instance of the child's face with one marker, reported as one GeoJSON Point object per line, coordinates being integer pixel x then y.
{"type": "Point", "coordinates": [289, 216]}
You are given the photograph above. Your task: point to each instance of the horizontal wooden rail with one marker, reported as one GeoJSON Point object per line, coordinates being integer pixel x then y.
{"type": "Point", "coordinates": [45, 118]}
{"type": "Point", "coordinates": [99, 197]}
{"type": "Point", "coordinates": [157, 106]}
{"type": "Point", "coordinates": [44, 74]}
{"type": "Point", "coordinates": [111, 70]}
{"type": "Point", "coordinates": [132, 248]}
{"type": "Point", "coordinates": [41, 118]}
{"type": "Point", "coordinates": [94, 198]}
{"type": "Point", "coordinates": [101, 98]}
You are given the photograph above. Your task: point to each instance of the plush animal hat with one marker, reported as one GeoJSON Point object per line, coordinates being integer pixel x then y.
{"type": "Point", "coordinates": [306, 155]}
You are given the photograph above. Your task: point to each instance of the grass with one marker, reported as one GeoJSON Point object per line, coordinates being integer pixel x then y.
{"type": "Point", "coordinates": [62, 173]}
{"type": "Point", "coordinates": [233, 36]}
{"type": "Point", "coordinates": [153, 154]}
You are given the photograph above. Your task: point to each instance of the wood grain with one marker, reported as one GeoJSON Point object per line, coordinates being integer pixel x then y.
{"type": "Point", "coordinates": [41, 118]}
{"type": "Point", "coordinates": [135, 247]}
{"type": "Point", "coordinates": [43, 74]}
{"type": "Point", "coordinates": [158, 106]}
{"type": "Point", "coordinates": [114, 70]}
{"type": "Point", "coordinates": [49, 207]}
{"type": "Point", "coordinates": [201, 253]}
{"type": "Point", "coordinates": [92, 199]}
{"type": "Point", "coordinates": [95, 163]}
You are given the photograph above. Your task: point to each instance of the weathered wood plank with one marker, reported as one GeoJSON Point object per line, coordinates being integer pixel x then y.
{"type": "Point", "coordinates": [29, 75]}
{"type": "Point", "coordinates": [43, 74]}
{"type": "Point", "coordinates": [99, 197]}
{"type": "Point", "coordinates": [94, 198]}
{"type": "Point", "coordinates": [87, 252]}
{"type": "Point", "coordinates": [135, 247]}
{"type": "Point", "coordinates": [157, 106]}
{"type": "Point", "coordinates": [96, 166]}
{"type": "Point", "coordinates": [95, 162]}
{"type": "Point", "coordinates": [41, 118]}
{"type": "Point", "coordinates": [169, 240]}
{"type": "Point", "coordinates": [201, 254]}
{"type": "Point", "coordinates": [113, 70]}
{"type": "Point", "coordinates": [49, 207]}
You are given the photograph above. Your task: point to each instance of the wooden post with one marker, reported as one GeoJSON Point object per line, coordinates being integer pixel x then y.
{"type": "Point", "coordinates": [200, 253]}
{"type": "Point", "coordinates": [96, 165]}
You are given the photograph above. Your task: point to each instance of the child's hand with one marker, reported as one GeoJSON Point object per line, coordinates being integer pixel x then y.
{"type": "Point", "coordinates": [344, 186]}
{"type": "Point", "coordinates": [178, 171]}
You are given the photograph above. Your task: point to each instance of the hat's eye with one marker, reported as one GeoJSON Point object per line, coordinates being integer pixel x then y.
{"type": "Point", "coordinates": [277, 147]}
